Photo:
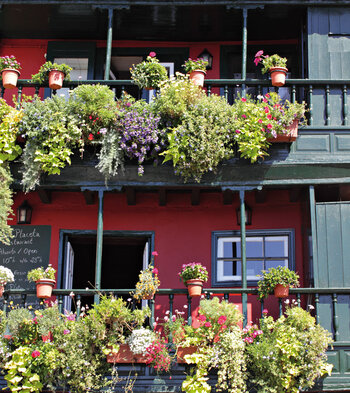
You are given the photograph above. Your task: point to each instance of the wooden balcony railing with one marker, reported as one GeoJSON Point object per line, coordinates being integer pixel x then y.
{"type": "Point", "coordinates": [328, 104]}
{"type": "Point", "coordinates": [322, 302]}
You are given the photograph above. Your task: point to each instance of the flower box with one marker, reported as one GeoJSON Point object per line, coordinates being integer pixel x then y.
{"type": "Point", "coordinates": [291, 136]}
{"type": "Point", "coordinates": [182, 351]}
{"type": "Point", "coordinates": [125, 355]}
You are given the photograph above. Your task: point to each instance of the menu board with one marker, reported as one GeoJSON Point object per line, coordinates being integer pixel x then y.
{"type": "Point", "coordinates": [29, 248]}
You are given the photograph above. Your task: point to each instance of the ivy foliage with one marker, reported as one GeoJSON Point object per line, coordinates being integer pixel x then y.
{"type": "Point", "coordinates": [5, 204]}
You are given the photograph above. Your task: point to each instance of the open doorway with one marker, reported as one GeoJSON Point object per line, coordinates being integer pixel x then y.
{"type": "Point", "coordinates": [124, 255]}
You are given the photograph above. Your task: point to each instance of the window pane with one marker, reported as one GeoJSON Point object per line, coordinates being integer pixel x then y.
{"type": "Point", "coordinates": [254, 268]}
{"type": "Point", "coordinates": [276, 246]}
{"type": "Point", "coordinates": [255, 247]}
{"type": "Point", "coordinates": [276, 263]}
{"type": "Point", "coordinates": [230, 268]}
{"type": "Point", "coordinates": [230, 249]}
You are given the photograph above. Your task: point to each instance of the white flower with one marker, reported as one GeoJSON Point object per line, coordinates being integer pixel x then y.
{"type": "Point", "coordinates": [311, 307]}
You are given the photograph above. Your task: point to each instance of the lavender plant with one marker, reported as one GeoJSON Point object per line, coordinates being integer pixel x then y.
{"type": "Point", "coordinates": [140, 137]}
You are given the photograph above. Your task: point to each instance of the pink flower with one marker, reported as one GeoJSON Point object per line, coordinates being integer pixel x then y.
{"type": "Point", "coordinates": [244, 116]}
{"type": "Point", "coordinates": [257, 60]}
{"type": "Point", "coordinates": [202, 318]}
{"type": "Point", "coordinates": [66, 331]}
{"type": "Point", "coordinates": [71, 317]}
{"type": "Point", "coordinates": [207, 324]}
{"type": "Point", "coordinates": [155, 271]}
{"type": "Point", "coordinates": [269, 117]}
{"type": "Point", "coordinates": [269, 126]}
{"type": "Point", "coordinates": [267, 95]}
{"type": "Point", "coordinates": [238, 131]}
{"type": "Point", "coordinates": [35, 320]}
{"type": "Point", "coordinates": [152, 54]}
{"type": "Point", "coordinates": [154, 253]}
{"type": "Point", "coordinates": [265, 311]}
{"type": "Point", "coordinates": [259, 53]}
{"type": "Point", "coordinates": [90, 137]}
{"type": "Point", "coordinates": [260, 121]}
{"type": "Point", "coordinates": [35, 354]}
{"type": "Point", "coordinates": [267, 109]}
{"type": "Point", "coordinates": [263, 129]}
{"type": "Point", "coordinates": [222, 319]}
{"type": "Point", "coordinates": [244, 99]}
{"type": "Point", "coordinates": [264, 100]}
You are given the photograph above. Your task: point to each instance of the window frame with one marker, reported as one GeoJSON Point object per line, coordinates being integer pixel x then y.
{"type": "Point", "coordinates": [216, 235]}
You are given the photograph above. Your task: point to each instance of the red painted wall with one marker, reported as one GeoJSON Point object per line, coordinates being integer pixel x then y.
{"type": "Point", "coordinates": [182, 231]}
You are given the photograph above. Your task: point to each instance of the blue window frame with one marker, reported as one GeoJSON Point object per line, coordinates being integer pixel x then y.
{"type": "Point", "coordinates": [264, 248]}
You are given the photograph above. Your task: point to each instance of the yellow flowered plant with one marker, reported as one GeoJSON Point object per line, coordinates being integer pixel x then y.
{"type": "Point", "coordinates": [148, 282]}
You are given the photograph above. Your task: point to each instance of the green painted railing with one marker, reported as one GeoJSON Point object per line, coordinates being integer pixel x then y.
{"type": "Point", "coordinates": [304, 297]}
{"type": "Point", "coordinates": [328, 104]}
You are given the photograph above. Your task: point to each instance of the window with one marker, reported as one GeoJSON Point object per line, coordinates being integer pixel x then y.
{"type": "Point", "coordinates": [264, 249]}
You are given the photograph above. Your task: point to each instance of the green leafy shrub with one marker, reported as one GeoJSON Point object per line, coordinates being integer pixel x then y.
{"type": "Point", "coordinates": [149, 73]}
{"type": "Point", "coordinates": [6, 203]}
{"type": "Point", "coordinates": [52, 134]}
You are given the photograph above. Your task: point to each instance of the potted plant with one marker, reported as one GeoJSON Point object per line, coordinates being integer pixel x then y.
{"type": "Point", "coordinates": [52, 73]}
{"type": "Point", "coordinates": [193, 276]}
{"type": "Point", "coordinates": [278, 281]}
{"type": "Point", "coordinates": [148, 282]}
{"type": "Point", "coordinates": [196, 69]}
{"type": "Point", "coordinates": [6, 276]}
{"type": "Point", "coordinates": [275, 64]}
{"type": "Point", "coordinates": [44, 280]}
{"type": "Point", "coordinates": [9, 67]}
{"type": "Point", "coordinates": [149, 74]}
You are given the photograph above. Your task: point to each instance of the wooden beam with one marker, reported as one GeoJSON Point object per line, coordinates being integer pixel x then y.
{"type": "Point", "coordinates": [260, 196]}
{"type": "Point", "coordinates": [162, 197]}
{"type": "Point", "coordinates": [227, 197]}
{"type": "Point", "coordinates": [195, 197]}
{"type": "Point", "coordinates": [131, 196]}
{"type": "Point", "coordinates": [89, 197]}
{"type": "Point", "coordinates": [44, 195]}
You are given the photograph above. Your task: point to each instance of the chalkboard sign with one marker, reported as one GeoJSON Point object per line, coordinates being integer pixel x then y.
{"type": "Point", "coordinates": [29, 249]}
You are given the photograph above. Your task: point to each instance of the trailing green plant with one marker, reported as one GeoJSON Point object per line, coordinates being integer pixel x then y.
{"type": "Point", "coordinates": [195, 65]}
{"type": "Point", "coordinates": [52, 134]}
{"type": "Point", "coordinates": [177, 96]}
{"type": "Point", "coordinates": [272, 277]}
{"type": "Point", "coordinates": [9, 62]}
{"type": "Point", "coordinates": [268, 62]}
{"type": "Point", "coordinates": [41, 273]}
{"type": "Point", "coordinates": [203, 138]}
{"type": "Point", "coordinates": [289, 355]}
{"type": "Point", "coordinates": [6, 203]}
{"type": "Point", "coordinates": [95, 108]}
{"type": "Point", "coordinates": [9, 121]}
{"type": "Point", "coordinates": [149, 73]}
{"type": "Point", "coordinates": [42, 76]}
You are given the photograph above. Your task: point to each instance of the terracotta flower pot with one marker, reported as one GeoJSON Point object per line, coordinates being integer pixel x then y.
{"type": "Point", "coordinates": [290, 136]}
{"type": "Point", "coordinates": [9, 78]}
{"type": "Point", "coordinates": [125, 355]}
{"type": "Point", "coordinates": [2, 288]}
{"type": "Point", "coordinates": [197, 77]}
{"type": "Point", "coordinates": [182, 351]}
{"type": "Point", "coordinates": [194, 287]}
{"type": "Point", "coordinates": [281, 291]}
{"type": "Point", "coordinates": [56, 79]}
{"type": "Point", "coordinates": [278, 76]}
{"type": "Point", "coordinates": [44, 288]}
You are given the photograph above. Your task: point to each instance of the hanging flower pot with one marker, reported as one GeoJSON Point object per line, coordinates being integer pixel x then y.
{"type": "Point", "coordinates": [194, 287]}
{"type": "Point", "coordinates": [290, 136]}
{"type": "Point", "coordinates": [197, 77]}
{"type": "Point", "coordinates": [44, 288]}
{"type": "Point", "coordinates": [281, 291]}
{"type": "Point", "coordinates": [56, 79]}
{"type": "Point", "coordinates": [9, 78]}
{"type": "Point", "coordinates": [278, 76]}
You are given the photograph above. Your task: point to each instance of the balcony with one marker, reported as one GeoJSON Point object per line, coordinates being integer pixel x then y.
{"type": "Point", "coordinates": [328, 306]}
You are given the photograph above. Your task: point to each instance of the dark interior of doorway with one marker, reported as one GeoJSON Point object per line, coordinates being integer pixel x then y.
{"type": "Point", "coordinates": [122, 260]}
